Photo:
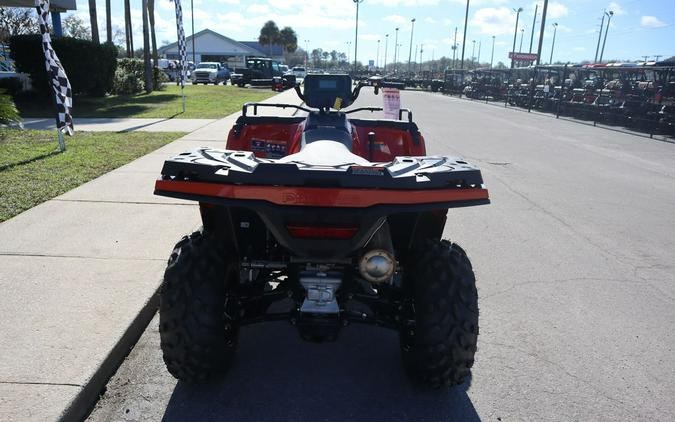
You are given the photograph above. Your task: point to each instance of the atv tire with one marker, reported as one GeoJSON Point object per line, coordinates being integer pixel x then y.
{"type": "Point", "coordinates": [198, 338]}
{"type": "Point", "coordinates": [439, 350]}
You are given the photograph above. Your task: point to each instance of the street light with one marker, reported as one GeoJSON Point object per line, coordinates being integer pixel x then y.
{"type": "Point", "coordinates": [396, 51]}
{"type": "Point", "coordinates": [473, 50]}
{"type": "Point", "coordinates": [609, 19]}
{"type": "Point", "coordinates": [555, 29]}
{"type": "Point", "coordinates": [386, 44]}
{"type": "Point", "coordinates": [356, 35]}
{"type": "Point", "coordinates": [479, 44]}
{"type": "Point", "coordinates": [492, 56]}
{"type": "Point", "coordinates": [515, 34]}
{"type": "Point", "coordinates": [522, 32]}
{"type": "Point", "coordinates": [466, 20]}
{"type": "Point", "coordinates": [377, 58]}
{"type": "Point", "coordinates": [306, 52]}
{"type": "Point", "coordinates": [534, 23]}
{"type": "Point", "coordinates": [597, 47]}
{"type": "Point", "coordinates": [454, 51]}
{"type": "Point", "coordinates": [349, 51]}
{"type": "Point", "coordinates": [412, 30]}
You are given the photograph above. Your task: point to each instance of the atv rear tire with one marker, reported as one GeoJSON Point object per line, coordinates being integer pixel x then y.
{"type": "Point", "coordinates": [198, 338]}
{"type": "Point", "coordinates": [439, 350]}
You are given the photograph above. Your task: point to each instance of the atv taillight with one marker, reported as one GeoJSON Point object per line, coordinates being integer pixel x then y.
{"type": "Point", "coordinates": [310, 232]}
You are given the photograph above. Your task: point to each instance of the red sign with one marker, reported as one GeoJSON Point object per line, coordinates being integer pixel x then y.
{"type": "Point", "coordinates": [525, 57]}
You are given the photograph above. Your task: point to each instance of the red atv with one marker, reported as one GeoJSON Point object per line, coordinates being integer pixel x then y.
{"type": "Point", "coordinates": [321, 221]}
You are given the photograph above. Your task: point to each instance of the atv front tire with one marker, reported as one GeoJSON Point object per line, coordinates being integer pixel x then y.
{"type": "Point", "coordinates": [439, 350]}
{"type": "Point", "coordinates": [198, 338]}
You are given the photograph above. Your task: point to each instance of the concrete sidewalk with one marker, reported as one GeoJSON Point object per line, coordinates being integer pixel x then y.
{"type": "Point", "coordinates": [122, 124]}
{"type": "Point", "coordinates": [79, 275]}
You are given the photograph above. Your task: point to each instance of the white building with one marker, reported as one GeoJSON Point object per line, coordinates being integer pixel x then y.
{"type": "Point", "coordinates": [210, 46]}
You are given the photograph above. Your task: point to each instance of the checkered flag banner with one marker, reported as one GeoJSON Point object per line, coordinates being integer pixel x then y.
{"type": "Point", "coordinates": [181, 43]}
{"type": "Point", "coordinates": [57, 75]}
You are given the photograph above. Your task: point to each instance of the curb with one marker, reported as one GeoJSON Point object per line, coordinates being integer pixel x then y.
{"type": "Point", "coordinates": [86, 399]}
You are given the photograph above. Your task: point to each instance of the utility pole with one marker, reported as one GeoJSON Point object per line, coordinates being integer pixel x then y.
{"type": "Point", "coordinates": [534, 23]}
{"type": "Point", "coordinates": [515, 35]}
{"type": "Point", "coordinates": [492, 56]}
{"type": "Point", "coordinates": [356, 35]}
{"type": "Point", "coordinates": [466, 21]}
{"type": "Point", "coordinates": [597, 48]}
{"type": "Point", "coordinates": [657, 57]}
{"type": "Point", "coordinates": [609, 19]}
{"type": "Point", "coordinates": [412, 30]}
{"type": "Point", "coordinates": [555, 29]}
{"type": "Point", "coordinates": [386, 44]}
{"type": "Point", "coordinates": [541, 31]}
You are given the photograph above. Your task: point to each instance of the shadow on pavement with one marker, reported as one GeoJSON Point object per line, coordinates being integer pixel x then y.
{"type": "Point", "coordinates": [278, 377]}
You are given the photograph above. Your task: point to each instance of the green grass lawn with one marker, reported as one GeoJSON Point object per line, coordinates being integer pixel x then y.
{"type": "Point", "coordinates": [32, 170]}
{"type": "Point", "coordinates": [201, 102]}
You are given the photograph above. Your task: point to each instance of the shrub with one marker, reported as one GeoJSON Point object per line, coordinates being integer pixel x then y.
{"type": "Point", "coordinates": [8, 111]}
{"type": "Point", "coordinates": [11, 86]}
{"type": "Point", "coordinates": [90, 67]}
{"type": "Point", "coordinates": [130, 77]}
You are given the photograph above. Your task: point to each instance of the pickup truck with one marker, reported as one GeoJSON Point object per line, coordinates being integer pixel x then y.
{"type": "Point", "coordinates": [210, 72]}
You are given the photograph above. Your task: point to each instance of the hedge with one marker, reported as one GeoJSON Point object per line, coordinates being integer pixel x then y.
{"type": "Point", "coordinates": [89, 66]}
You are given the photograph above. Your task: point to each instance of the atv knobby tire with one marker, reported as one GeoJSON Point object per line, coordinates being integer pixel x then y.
{"type": "Point", "coordinates": [439, 350]}
{"type": "Point", "coordinates": [198, 339]}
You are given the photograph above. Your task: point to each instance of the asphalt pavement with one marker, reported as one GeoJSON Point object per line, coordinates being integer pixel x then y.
{"type": "Point", "coordinates": [575, 262]}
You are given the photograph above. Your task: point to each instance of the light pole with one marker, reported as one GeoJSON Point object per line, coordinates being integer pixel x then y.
{"type": "Point", "coordinates": [306, 52]}
{"type": "Point", "coordinates": [479, 44]}
{"type": "Point", "coordinates": [597, 47]}
{"type": "Point", "coordinates": [454, 51]}
{"type": "Point", "coordinates": [534, 23]}
{"type": "Point", "coordinates": [492, 56]}
{"type": "Point", "coordinates": [541, 32]}
{"type": "Point", "coordinates": [473, 51]}
{"type": "Point", "coordinates": [349, 51]}
{"type": "Point", "coordinates": [609, 19]}
{"type": "Point", "coordinates": [412, 30]}
{"type": "Point", "coordinates": [386, 44]}
{"type": "Point", "coordinates": [466, 21]}
{"type": "Point", "coordinates": [515, 35]}
{"type": "Point", "coordinates": [377, 58]}
{"type": "Point", "coordinates": [356, 34]}
{"type": "Point", "coordinates": [522, 32]}
{"type": "Point", "coordinates": [396, 51]}
{"type": "Point", "coordinates": [555, 29]}
{"type": "Point", "coordinates": [421, 51]}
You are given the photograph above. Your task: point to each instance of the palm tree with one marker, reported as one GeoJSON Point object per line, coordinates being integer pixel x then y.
{"type": "Point", "coordinates": [94, 22]}
{"type": "Point", "coordinates": [269, 34]}
{"type": "Point", "coordinates": [147, 65]}
{"type": "Point", "coordinates": [108, 22]}
{"type": "Point", "coordinates": [128, 31]}
{"type": "Point", "coordinates": [151, 13]}
{"type": "Point", "coordinates": [288, 39]}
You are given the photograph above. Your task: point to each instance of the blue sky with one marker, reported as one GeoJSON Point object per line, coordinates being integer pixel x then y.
{"type": "Point", "coordinates": [638, 28]}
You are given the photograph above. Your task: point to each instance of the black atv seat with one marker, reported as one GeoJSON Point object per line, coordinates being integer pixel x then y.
{"type": "Point", "coordinates": [327, 127]}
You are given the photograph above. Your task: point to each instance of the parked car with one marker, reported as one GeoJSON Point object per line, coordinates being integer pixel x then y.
{"type": "Point", "coordinates": [210, 72]}
{"type": "Point", "coordinates": [259, 71]}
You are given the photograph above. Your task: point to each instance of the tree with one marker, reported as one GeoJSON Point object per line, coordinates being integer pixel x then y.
{"type": "Point", "coordinates": [288, 39]}
{"type": "Point", "coordinates": [269, 34]}
{"type": "Point", "coordinates": [147, 65]}
{"type": "Point", "coordinates": [74, 26]}
{"type": "Point", "coordinates": [94, 22]}
{"type": "Point", "coordinates": [108, 22]}
{"type": "Point", "coordinates": [151, 13]}
{"type": "Point", "coordinates": [17, 21]}
{"type": "Point", "coordinates": [128, 31]}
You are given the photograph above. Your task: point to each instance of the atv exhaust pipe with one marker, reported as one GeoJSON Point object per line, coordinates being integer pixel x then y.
{"type": "Point", "coordinates": [377, 264]}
